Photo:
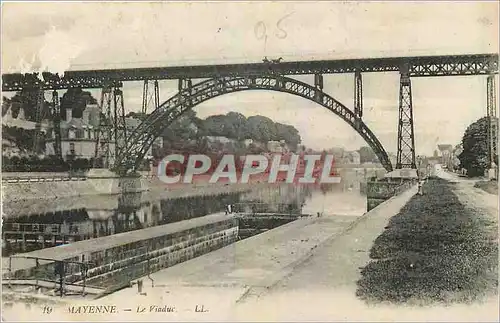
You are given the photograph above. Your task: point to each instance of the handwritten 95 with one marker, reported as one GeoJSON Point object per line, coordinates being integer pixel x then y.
{"type": "Point", "coordinates": [261, 29]}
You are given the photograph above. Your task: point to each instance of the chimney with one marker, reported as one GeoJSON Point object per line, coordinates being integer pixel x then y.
{"type": "Point", "coordinates": [20, 115]}
{"type": "Point", "coordinates": [69, 114]}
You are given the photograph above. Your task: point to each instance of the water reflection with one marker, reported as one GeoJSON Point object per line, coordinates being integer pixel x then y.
{"type": "Point", "coordinates": [33, 231]}
{"type": "Point", "coordinates": [37, 231]}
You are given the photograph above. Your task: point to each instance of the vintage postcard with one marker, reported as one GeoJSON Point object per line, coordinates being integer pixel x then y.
{"type": "Point", "coordinates": [250, 161]}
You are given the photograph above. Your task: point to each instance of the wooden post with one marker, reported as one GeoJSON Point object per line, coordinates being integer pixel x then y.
{"type": "Point", "coordinates": [60, 271]}
{"type": "Point", "coordinates": [10, 272]}
{"type": "Point", "coordinates": [42, 238]}
{"type": "Point", "coordinates": [23, 246]}
{"type": "Point", "coordinates": [84, 278]}
{"type": "Point", "coordinates": [37, 264]}
{"type": "Point", "coordinates": [139, 286]}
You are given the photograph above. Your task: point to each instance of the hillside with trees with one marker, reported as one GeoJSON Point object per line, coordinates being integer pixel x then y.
{"type": "Point", "coordinates": [234, 126]}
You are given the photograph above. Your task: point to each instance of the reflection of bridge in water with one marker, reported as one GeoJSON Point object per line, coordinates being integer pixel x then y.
{"type": "Point", "coordinates": [38, 228]}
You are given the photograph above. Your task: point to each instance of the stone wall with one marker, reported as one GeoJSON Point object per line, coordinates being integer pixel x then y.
{"type": "Point", "coordinates": [52, 190]}
{"type": "Point", "coordinates": [29, 190]}
{"type": "Point", "coordinates": [379, 191]}
{"type": "Point", "coordinates": [118, 265]}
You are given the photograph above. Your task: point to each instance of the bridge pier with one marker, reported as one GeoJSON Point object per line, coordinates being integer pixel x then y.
{"type": "Point", "coordinates": [39, 116]}
{"type": "Point", "coordinates": [111, 134]}
{"type": "Point", "coordinates": [406, 138]}
{"type": "Point", "coordinates": [56, 118]}
{"type": "Point", "coordinates": [358, 94]}
{"type": "Point", "coordinates": [147, 96]}
{"type": "Point", "coordinates": [106, 181]}
{"type": "Point", "coordinates": [379, 191]}
{"type": "Point", "coordinates": [185, 91]}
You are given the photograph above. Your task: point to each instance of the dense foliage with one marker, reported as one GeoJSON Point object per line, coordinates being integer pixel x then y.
{"type": "Point", "coordinates": [233, 126]}
{"type": "Point", "coordinates": [77, 100]}
{"type": "Point", "coordinates": [26, 100]}
{"type": "Point", "coordinates": [21, 137]}
{"type": "Point", "coordinates": [474, 157]}
{"type": "Point", "coordinates": [47, 164]}
{"type": "Point", "coordinates": [367, 155]}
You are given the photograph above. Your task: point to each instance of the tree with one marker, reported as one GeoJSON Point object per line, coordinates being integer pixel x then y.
{"type": "Point", "coordinates": [236, 126]}
{"type": "Point", "coordinates": [76, 100]}
{"type": "Point", "coordinates": [289, 134]}
{"type": "Point", "coordinates": [137, 115]}
{"type": "Point", "coordinates": [366, 155]}
{"type": "Point", "coordinates": [182, 129]}
{"type": "Point", "coordinates": [262, 129]}
{"type": "Point", "coordinates": [28, 100]}
{"type": "Point", "coordinates": [475, 155]}
{"type": "Point", "coordinates": [23, 138]}
{"type": "Point", "coordinates": [5, 105]}
{"type": "Point", "coordinates": [215, 125]}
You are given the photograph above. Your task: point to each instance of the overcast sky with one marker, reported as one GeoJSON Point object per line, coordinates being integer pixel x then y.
{"type": "Point", "coordinates": [75, 36]}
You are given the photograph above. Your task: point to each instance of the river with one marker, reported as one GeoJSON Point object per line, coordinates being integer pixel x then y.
{"type": "Point", "coordinates": [107, 215]}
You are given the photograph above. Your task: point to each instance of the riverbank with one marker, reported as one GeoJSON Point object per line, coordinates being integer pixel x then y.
{"type": "Point", "coordinates": [441, 248]}
{"type": "Point", "coordinates": [331, 276]}
{"type": "Point", "coordinates": [20, 194]}
{"type": "Point", "coordinates": [28, 188]}
{"type": "Point", "coordinates": [18, 206]}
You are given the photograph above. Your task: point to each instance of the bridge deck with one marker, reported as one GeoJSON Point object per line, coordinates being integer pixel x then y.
{"type": "Point", "coordinates": [477, 64]}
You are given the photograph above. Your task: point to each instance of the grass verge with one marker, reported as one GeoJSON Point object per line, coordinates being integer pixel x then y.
{"type": "Point", "coordinates": [433, 250]}
{"type": "Point", "coordinates": [488, 186]}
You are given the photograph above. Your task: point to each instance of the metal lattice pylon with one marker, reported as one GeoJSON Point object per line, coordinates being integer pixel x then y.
{"type": "Point", "coordinates": [150, 98]}
{"type": "Point", "coordinates": [406, 138]}
{"type": "Point", "coordinates": [39, 116]}
{"type": "Point", "coordinates": [493, 123]}
{"type": "Point", "coordinates": [358, 94]}
{"type": "Point", "coordinates": [111, 134]}
{"type": "Point", "coordinates": [185, 88]}
{"type": "Point", "coordinates": [56, 119]}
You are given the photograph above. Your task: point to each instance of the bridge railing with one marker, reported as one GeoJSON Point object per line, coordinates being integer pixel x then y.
{"type": "Point", "coordinates": [37, 179]}
{"type": "Point", "coordinates": [261, 207]}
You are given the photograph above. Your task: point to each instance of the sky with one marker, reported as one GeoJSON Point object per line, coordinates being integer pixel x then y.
{"type": "Point", "coordinates": [76, 36]}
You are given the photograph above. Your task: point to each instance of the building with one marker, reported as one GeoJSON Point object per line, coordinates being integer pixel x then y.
{"type": "Point", "coordinates": [78, 135]}
{"type": "Point", "coordinates": [446, 154]}
{"type": "Point", "coordinates": [355, 157]}
{"type": "Point", "coordinates": [10, 149]}
{"type": "Point", "coordinates": [393, 158]}
{"type": "Point", "coordinates": [9, 146]}
{"type": "Point", "coordinates": [20, 121]}
{"type": "Point", "coordinates": [220, 139]}
{"type": "Point", "coordinates": [275, 147]}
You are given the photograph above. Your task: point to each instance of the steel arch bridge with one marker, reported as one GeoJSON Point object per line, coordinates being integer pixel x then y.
{"type": "Point", "coordinates": [139, 141]}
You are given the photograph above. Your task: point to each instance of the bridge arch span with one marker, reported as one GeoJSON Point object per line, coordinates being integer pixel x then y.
{"type": "Point", "coordinates": [138, 142]}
